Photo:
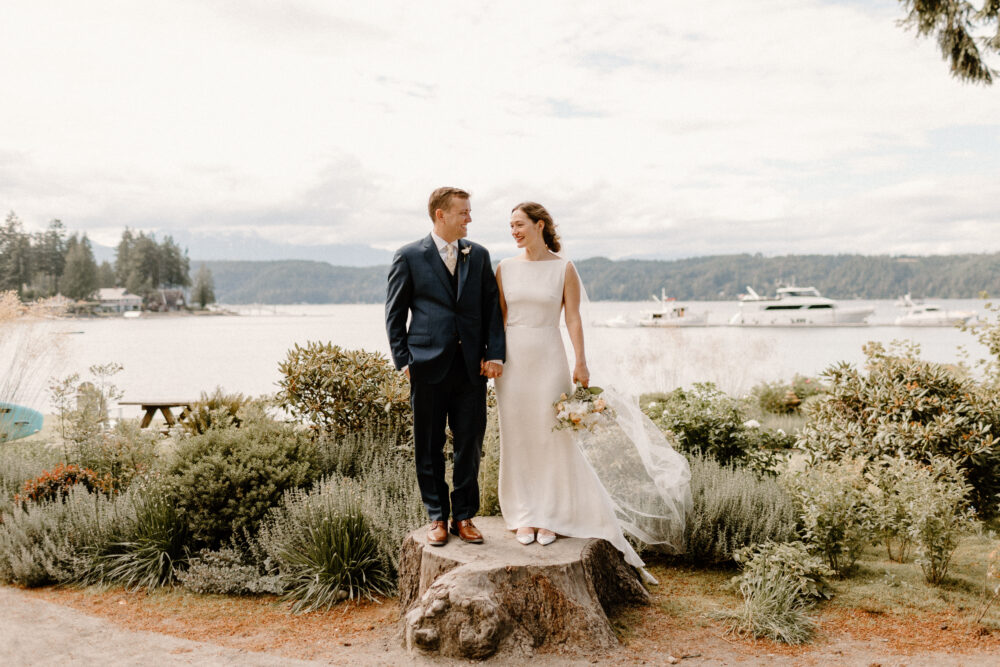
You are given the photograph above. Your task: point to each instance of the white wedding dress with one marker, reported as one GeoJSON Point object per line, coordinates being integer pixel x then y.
{"type": "Point", "coordinates": [546, 479]}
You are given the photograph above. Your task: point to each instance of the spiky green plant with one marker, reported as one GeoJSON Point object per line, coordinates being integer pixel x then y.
{"type": "Point", "coordinates": [152, 550]}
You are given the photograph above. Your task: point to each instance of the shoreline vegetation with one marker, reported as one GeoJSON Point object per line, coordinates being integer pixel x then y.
{"type": "Point", "coordinates": [823, 506]}
{"type": "Point", "coordinates": [712, 278]}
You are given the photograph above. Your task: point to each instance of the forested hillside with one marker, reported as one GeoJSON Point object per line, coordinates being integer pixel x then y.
{"type": "Point", "coordinates": [699, 278]}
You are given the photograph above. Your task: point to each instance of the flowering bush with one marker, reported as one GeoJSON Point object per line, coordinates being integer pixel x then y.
{"type": "Point", "coordinates": [56, 483]}
{"type": "Point", "coordinates": [584, 409]}
{"type": "Point", "coordinates": [708, 422]}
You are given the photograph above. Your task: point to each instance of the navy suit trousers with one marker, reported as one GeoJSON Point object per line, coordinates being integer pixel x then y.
{"type": "Point", "coordinates": [461, 404]}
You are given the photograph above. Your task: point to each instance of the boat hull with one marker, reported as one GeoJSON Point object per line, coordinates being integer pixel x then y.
{"type": "Point", "coordinates": [17, 421]}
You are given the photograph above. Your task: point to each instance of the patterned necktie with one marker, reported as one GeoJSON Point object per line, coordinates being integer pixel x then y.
{"type": "Point", "coordinates": [450, 259]}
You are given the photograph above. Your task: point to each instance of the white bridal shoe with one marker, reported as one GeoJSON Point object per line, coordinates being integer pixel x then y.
{"type": "Point", "coordinates": [526, 538]}
{"type": "Point", "coordinates": [548, 537]}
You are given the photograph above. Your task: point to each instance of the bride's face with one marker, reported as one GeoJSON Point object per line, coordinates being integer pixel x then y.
{"type": "Point", "coordinates": [525, 232]}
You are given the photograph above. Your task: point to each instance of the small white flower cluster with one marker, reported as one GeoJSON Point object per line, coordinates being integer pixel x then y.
{"type": "Point", "coordinates": [584, 409]}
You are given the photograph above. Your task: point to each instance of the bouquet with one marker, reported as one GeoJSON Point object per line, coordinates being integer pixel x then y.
{"type": "Point", "coordinates": [584, 409]}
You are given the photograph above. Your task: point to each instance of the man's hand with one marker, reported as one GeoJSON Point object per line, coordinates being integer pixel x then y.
{"type": "Point", "coordinates": [406, 372]}
{"type": "Point", "coordinates": [490, 369]}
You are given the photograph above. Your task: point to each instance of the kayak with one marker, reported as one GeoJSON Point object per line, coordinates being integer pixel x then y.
{"type": "Point", "coordinates": [17, 421]}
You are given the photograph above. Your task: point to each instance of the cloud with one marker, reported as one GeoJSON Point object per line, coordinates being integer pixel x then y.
{"type": "Point", "coordinates": [674, 129]}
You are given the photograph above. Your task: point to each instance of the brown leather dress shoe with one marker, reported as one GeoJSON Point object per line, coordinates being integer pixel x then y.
{"type": "Point", "coordinates": [437, 534]}
{"type": "Point", "coordinates": [465, 530]}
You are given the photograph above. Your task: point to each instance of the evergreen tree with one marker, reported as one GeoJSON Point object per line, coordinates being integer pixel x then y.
{"type": "Point", "coordinates": [203, 292]}
{"type": "Point", "coordinates": [106, 275]}
{"type": "Point", "coordinates": [49, 258]}
{"type": "Point", "coordinates": [954, 22]}
{"type": "Point", "coordinates": [79, 279]}
{"type": "Point", "coordinates": [15, 255]}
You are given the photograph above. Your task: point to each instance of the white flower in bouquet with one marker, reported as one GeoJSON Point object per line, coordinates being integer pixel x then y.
{"type": "Point", "coordinates": [583, 410]}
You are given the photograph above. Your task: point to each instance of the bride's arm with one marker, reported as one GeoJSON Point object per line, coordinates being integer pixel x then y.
{"type": "Point", "coordinates": [503, 301]}
{"type": "Point", "coordinates": [572, 291]}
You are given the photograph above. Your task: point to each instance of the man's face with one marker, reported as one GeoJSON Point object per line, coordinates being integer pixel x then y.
{"type": "Point", "coordinates": [452, 223]}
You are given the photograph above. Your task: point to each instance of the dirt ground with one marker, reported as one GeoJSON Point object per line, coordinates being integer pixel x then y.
{"type": "Point", "coordinates": [92, 627]}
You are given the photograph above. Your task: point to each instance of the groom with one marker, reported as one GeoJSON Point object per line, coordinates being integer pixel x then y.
{"type": "Point", "coordinates": [455, 341]}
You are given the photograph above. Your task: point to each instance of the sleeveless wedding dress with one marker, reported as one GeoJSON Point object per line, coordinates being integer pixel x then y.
{"type": "Point", "coordinates": [546, 479]}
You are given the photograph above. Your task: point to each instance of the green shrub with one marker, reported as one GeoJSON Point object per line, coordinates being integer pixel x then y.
{"type": "Point", "coordinates": [226, 480]}
{"type": "Point", "coordinates": [215, 410]}
{"type": "Point", "coordinates": [939, 515]}
{"type": "Point", "coordinates": [834, 510]}
{"type": "Point", "coordinates": [733, 508]}
{"type": "Point", "coordinates": [323, 548]}
{"type": "Point", "coordinates": [227, 571]}
{"type": "Point", "coordinates": [708, 422]}
{"type": "Point", "coordinates": [895, 486]}
{"type": "Point", "coordinates": [773, 609]}
{"type": "Point", "coordinates": [118, 454]}
{"type": "Point", "coordinates": [148, 552]}
{"type": "Point", "coordinates": [785, 398]}
{"type": "Point", "coordinates": [386, 481]}
{"type": "Point", "coordinates": [904, 406]}
{"type": "Point", "coordinates": [343, 391]}
{"type": "Point", "coordinates": [783, 559]}
{"type": "Point", "coordinates": [48, 542]}
{"type": "Point", "coordinates": [489, 467]}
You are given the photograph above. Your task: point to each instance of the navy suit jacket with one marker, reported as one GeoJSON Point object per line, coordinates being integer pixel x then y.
{"type": "Point", "coordinates": [442, 320]}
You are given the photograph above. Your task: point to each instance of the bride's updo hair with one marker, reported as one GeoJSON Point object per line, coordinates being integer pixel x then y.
{"type": "Point", "coordinates": [537, 213]}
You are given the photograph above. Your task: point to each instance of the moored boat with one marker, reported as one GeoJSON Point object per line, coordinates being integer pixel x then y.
{"type": "Point", "coordinates": [920, 314]}
{"type": "Point", "coordinates": [797, 306]}
{"type": "Point", "coordinates": [671, 314]}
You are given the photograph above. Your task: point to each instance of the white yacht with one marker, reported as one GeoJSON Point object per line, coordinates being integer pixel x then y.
{"type": "Point", "coordinates": [797, 306]}
{"type": "Point", "coordinates": [920, 314]}
{"type": "Point", "coordinates": [671, 314]}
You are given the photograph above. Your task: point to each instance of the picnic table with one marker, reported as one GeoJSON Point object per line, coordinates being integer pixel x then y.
{"type": "Point", "coordinates": [165, 408]}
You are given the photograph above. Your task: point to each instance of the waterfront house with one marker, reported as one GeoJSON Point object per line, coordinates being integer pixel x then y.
{"type": "Point", "coordinates": [117, 300]}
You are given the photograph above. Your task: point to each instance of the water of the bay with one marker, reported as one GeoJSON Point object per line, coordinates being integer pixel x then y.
{"type": "Point", "coordinates": [175, 358]}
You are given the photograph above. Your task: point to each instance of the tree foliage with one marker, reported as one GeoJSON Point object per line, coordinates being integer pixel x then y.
{"type": "Point", "coordinates": [956, 24]}
{"type": "Point", "coordinates": [79, 280]}
{"type": "Point", "coordinates": [203, 292]}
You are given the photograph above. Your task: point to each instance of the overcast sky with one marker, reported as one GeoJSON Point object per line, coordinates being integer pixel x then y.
{"type": "Point", "coordinates": [659, 129]}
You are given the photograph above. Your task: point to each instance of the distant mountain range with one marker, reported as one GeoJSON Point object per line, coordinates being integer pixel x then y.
{"type": "Point", "coordinates": [699, 278]}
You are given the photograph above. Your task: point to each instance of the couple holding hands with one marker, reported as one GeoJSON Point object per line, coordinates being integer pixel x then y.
{"type": "Point", "coordinates": [452, 324]}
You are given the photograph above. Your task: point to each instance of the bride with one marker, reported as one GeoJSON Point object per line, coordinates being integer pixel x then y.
{"type": "Point", "coordinates": [572, 483]}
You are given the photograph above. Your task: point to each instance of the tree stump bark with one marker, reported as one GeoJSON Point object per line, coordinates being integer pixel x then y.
{"type": "Point", "coordinates": [475, 600]}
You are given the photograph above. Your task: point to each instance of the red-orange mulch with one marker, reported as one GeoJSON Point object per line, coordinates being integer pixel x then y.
{"type": "Point", "coordinates": [248, 623]}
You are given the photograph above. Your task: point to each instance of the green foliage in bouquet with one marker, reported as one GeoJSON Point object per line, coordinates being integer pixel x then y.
{"type": "Point", "coordinates": [904, 406]}
{"type": "Point", "coordinates": [343, 391]}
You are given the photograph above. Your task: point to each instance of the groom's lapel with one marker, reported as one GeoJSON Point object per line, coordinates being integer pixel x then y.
{"type": "Point", "coordinates": [433, 258]}
{"type": "Point", "coordinates": [463, 268]}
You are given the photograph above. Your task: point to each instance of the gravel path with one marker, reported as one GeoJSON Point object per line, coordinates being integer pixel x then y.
{"type": "Point", "coordinates": [35, 632]}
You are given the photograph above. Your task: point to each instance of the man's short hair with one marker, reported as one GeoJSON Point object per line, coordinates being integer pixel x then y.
{"type": "Point", "coordinates": [441, 198]}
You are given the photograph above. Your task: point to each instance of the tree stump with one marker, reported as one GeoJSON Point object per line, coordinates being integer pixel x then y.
{"type": "Point", "coordinates": [474, 600]}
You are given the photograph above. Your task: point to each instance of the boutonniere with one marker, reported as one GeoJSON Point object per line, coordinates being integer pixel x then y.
{"type": "Point", "coordinates": [465, 252]}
